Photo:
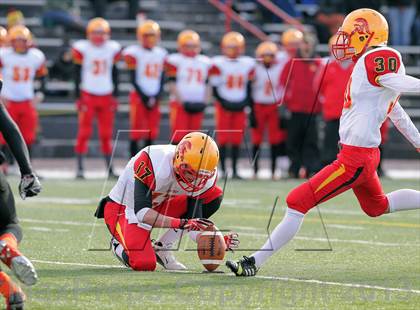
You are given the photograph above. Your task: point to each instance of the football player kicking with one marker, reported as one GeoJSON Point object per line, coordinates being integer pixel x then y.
{"type": "Point", "coordinates": [10, 231]}
{"type": "Point", "coordinates": [371, 96]}
{"type": "Point", "coordinates": [163, 186]}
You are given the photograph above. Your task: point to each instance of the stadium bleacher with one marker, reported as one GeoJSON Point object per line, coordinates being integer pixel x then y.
{"type": "Point", "coordinates": [58, 115]}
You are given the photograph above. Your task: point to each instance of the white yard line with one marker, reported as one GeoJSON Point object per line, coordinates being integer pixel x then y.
{"type": "Point", "coordinates": [46, 229]}
{"type": "Point", "coordinates": [286, 279]}
{"type": "Point", "coordinates": [345, 227]}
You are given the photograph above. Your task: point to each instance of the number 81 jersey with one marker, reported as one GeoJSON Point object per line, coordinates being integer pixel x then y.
{"type": "Point", "coordinates": [366, 102]}
{"type": "Point", "coordinates": [97, 63]}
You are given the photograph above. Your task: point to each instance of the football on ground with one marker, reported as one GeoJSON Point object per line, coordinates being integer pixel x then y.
{"type": "Point", "coordinates": [211, 248]}
{"type": "Point", "coordinates": [374, 262]}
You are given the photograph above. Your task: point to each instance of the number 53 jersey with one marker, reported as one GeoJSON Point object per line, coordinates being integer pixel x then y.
{"type": "Point", "coordinates": [19, 70]}
{"type": "Point", "coordinates": [366, 102]}
{"type": "Point", "coordinates": [97, 63]}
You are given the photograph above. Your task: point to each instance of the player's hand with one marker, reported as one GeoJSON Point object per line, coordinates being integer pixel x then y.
{"type": "Point", "coordinates": [151, 102]}
{"type": "Point", "coordinates": [80, 105]}
{"type": "Point", "coordinates": [418, 150]}
{"type": "Point", "coordinates": [114, 104]}
{"type": "Point", "coordinates": [198, 224]}
{"type": "Point", "coordinates": [232, 241]}
{"type": "Point", "coordinates": [29, 186]}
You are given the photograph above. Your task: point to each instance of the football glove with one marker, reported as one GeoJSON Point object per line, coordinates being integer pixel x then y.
{"type": "Point", "coordinates": [29, 186]}
{"type": "Point", "coordinates": [198, 224]}
{"type": "Point", "coordinates": [232, 241]}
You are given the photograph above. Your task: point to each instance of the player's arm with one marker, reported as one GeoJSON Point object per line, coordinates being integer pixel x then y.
{"type": "Point", "coordinates": [30, 185]}
{"type": "Point", "coordinates": [400, 83]}
{"type": "Point", "coordinates": [404, 125]}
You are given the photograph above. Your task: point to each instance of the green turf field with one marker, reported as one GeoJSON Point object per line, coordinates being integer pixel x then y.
{"type": "Point", "coordinates": [374, 264]}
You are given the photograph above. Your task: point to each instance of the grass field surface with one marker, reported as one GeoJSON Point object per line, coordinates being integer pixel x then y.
{"type": "Point", "coordinates": [374, 262]}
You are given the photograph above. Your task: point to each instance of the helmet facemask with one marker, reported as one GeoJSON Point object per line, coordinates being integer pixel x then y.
{"type": "Point", "coordinates": [191, 180]}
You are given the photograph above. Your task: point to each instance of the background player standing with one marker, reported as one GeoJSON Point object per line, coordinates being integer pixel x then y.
{"type": "Point", "coordinates": [163, 186]}
{"type": "Point", "coordinates": [266, 96]}
{"type": "Point", "coordinates": [231, 80]}
{"type": "Point", "coordinates": [188, 74]}
{"type": "Point", "coordinates": [10, 231]}
{"type": "Point", "coordinates": [145, 62]}
{"type": "Point", "coordinates": [21, 64]}
{"type": "Point", "coordinates": [95, 62]}
{"type": "Point", "coordinates": [371, 97]}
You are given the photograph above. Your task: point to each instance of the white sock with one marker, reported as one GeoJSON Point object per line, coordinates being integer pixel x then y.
{"type": "Point", "coordinates": [282, 234]}
{"type": "Point", "coordinates": [170, 237]}
{"type": "Point", "coordinates": [403, 199]}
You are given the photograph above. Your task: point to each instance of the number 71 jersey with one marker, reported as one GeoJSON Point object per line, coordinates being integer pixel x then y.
{"type": "Point", "coordinates": [366, 102]}
{"type": "Point", "coordinates": [97, 63]}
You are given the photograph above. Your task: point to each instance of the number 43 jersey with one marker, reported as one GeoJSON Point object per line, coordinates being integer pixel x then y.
{"type": "Point", "coordinates": [97, 63]}
{"type": "Point", "coordinates": [367, 103]}
{"type": "Point", "coordinates": [153, 166]}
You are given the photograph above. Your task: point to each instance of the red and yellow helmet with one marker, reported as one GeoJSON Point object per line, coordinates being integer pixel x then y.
{"type": "Point", "coordinates": [266, 52]}
{"type": "Point", "coordinates": [360, 30]}
{"type": "Point", "coordinates": [20, 38]}
{"type": "Point", "coordinates": [189, 43]}
{"type": "Point", "coordinates": [292, 39]}
{"type": "Point", "coordinates": [195, 161]}
{"type": "Point", "coordinates": [3, 36]}
{"type": "Point", "coordinates": [233, 44]}
{"type": "Point", "coordinates": [98, 31]}
{"type": "Point", "coordinates": [148, 33]}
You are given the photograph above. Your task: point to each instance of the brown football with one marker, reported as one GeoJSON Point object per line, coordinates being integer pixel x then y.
{"type": "Point", "coordinates": [211, 248]}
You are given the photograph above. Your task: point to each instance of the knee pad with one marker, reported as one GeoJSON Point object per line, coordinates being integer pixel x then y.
{"type": "Point", "coordinates": [142, 264]}
{"type": "Point", "coordinates": [301, 198]}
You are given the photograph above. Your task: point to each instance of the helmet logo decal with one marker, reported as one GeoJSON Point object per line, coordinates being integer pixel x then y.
{"type": "Point", "coordinates": [183, 147]}
{"type": "Point", "coordinates": [361, 26]}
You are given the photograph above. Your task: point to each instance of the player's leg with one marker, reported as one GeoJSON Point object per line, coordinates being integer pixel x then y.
{"type": "Point", "coordinates": [222, 137]}
{"type": "Point", "coordinates": [237, 135]}
{"type": "Point", "coordinates": [179, 122]}
{"type": "Point", "coordinates": [28, 122]}
{"type": "Point", "coordinates": [374, 202]}
{"type": "Point", "coordinates": [106, 115]}
{"type": "Point", "coordinates": [294, 144]}
{"type": "Point", "coordinates": [257, 134]}
{"type": "Point", "coordinates": [86, 113]}
{"type": "Point", "coordinates": [326, 184]}
{"type": "Point", "coordinates": [137, 251]}
{"type": "Point", "coordinates": [135, 117]}
{"type": "Point", "coordinates": [153, 124]}
{"type": "Point", "coordinates": [10, 235]}
{"type": "Point", "coordinates": [12, 293]}
{"type": "Point", "coordinates": [310, 151]}
{"type": "Point", "coordinates": [273, 136]}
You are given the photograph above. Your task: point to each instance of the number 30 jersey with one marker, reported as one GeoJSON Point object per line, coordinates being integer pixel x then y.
{"type": "Point", "coordinates": [153, 166]}
{"type": "Point", "coordinates": [18, 72]}
{"type": "Point", "coordinates": [97, 63]}
{"type": "Point", "coordinates": [367, 103]}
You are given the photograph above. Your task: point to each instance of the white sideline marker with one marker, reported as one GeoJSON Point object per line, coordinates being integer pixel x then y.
{"type": "Point", "coordinates": [286, 279]}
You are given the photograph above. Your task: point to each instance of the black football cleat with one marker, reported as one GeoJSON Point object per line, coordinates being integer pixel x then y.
{"type": "Point", "coordinates": [245, 267]}
{"type": "Point", "coordinates": [16, 301]}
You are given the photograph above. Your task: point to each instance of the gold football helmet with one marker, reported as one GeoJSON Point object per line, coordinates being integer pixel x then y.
{"type": "Point", "coordinates": [3, 36]}
{"type": "Point", "coordinates": [20, 38]}
{"type": "Point", "coordinates": [233, 44]}
{"type": "Point", "coordinates": [195, 161]}
{"type": "Point", "coordinates": [361, 29]}
{"type": "Point", "coordinates": [189, 43]}
{"type": "Point", "coordinates": [98, 31]}
{"type": "Point", "coordinates": [266, 52]}
{"type": "Point", "coordinates": [148, 33]}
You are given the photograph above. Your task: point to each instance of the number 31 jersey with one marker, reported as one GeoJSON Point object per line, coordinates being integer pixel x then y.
{"type": "Point", "coordinates": [366, 103]}
{"type": "Point", "coordinates": [97, 63]}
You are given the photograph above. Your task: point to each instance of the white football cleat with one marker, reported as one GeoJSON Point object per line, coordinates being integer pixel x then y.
{"type": "Point", "coordinates": [166, 258]}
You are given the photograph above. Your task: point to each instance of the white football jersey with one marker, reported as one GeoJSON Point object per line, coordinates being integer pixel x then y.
{"type": "Point", "coordinates": [166, 185]}
{"type": "Point", "coordinates": [97, 63]}
{"type": "Point", "coordinates": [191, 76]}
{"type": "Point", "coordinates": [233, 76]}
{"type": "Point", "coordinates": [366, 103]}
{"type": "Point", "coordinates": [19, 71]}
{"type": "Point", "coordinates": [148, 64]}
{"type": "Point", "coordinates": [266, 84]}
